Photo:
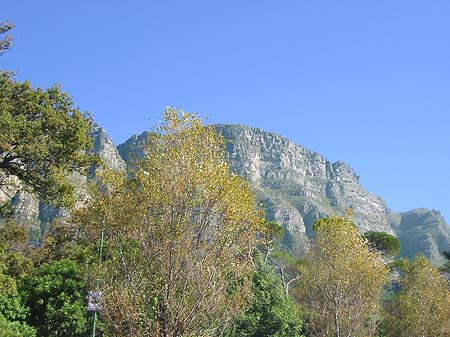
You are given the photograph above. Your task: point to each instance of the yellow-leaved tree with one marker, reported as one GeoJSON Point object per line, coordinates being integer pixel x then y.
{"type": "Point", "coordinates": [341, 281]}
{"type": "Point", "coordinates": [179, 234]}
{"type": "Point", "coordinates": [421, 308]}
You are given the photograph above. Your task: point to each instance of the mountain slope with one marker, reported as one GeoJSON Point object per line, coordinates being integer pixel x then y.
{"type": "Point", "coordinates": [423, 231]}
{"type": "Point", "coordinates": [31, 212]}
{"type": "Point", "coordinates": [297, 186]}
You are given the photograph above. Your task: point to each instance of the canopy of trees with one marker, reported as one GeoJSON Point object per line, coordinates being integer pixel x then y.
{"type": "Point", "coordinates": [13, 267]}
{"type": "Point", "coordinates": [179, 237]}
{"type": "Point", "coordinates": [384, 242]}
{"type": "Point", "coordinates": [55, 293]}
{"type": "Point", "coordinates": [342, 281]}
{"type": "Point", "coordinates": [272, 313]}
{"type": "Point", "coordinates": [43, 138]}
{"type": "Point", "coordinates": [421, 308]}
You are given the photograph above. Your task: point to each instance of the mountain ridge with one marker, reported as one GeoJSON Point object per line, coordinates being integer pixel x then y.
{"type": "Point", "coordinates": [297, 186]}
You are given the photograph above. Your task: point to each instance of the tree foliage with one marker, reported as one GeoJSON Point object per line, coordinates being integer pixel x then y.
{"type": "Point", "coordinates": [446, 266]}
{"type": "Point", "coordinates": [13, 266]}
{"type": "Point", "coordinates": [341, 282]}
{"type": "Point", "coordinates": [44, 137]}
{"type": "Point", "coordinates": [56, 295]}
{"type": "Point", "coordinates": [6, 42]}
{"type": "Point", "coordinates": [383, 242]}
{"type": "Point", "coordinates": [271, 313]}
{"type": "Point", "coordinates": [270, 232]}
{"type": "Point", "coordinates": [179, 232]}
{"type": "Point", "coordinates": [421, 308]}
{"type": "Point", "coordinates": [39, 295]}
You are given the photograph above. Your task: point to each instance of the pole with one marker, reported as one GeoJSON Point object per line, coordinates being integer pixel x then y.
{"type": "Point", "coordinates": [102, 236]}
{"type": "Point", "coordinates": [94, 324]}
{"type": "Point", "coordinates": [101, 247]}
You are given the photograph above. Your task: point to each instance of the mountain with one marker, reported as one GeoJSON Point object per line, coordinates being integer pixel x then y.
{"type": "Point", "coordinates": [422, 231]}
{"type": "Point", "coordinates": [31, 212]}
{"type": "Point", "coordinates": [297, 186]}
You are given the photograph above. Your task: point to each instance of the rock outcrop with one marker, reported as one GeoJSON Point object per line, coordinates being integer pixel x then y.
{"type": "Point", "coordinates": [304, 182]}
{"type": "Point", "coordinates": [36, 215]}
{"type": "Point", "coordinates": [297, 186]}
{"type": "Point", "coordinates": [422, 231]}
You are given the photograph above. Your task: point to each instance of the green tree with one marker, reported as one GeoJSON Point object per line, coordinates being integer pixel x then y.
{"type": "Point", "coordinates": [13, 313]}
{"type": "Point", "coordinates": [44, 137]}
{"type": "Point", "coordinates": [41, 290]}
{"type": "Point", "coordinates": [383, 242]}
{"type": "Point", "coordinates": [421, 308]}
{"type": "Point", "coordinates": [341, 281]}
{"type": "Point", "coordinates": [13, 266]}
{"type": "Point", "coordinates": [271, 313]}
{"type": "Point", "coordinates": [55, 294]}
{"type": "Point", "coordinates": [446, 266]}
{"type": "Point", "coordinates": [179, 232]}
{"type": "Point", "coordinates": [270, 233]}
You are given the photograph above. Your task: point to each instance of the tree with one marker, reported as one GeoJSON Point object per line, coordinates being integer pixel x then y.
{"type": "Point", "coordinates": [270, 232]}
{"type": "Point", "coordinates": [47, 297]}
{"type": "Point", "coordinates": [383, 242]}
{"type": "Point", "coordinates": [55, 294]}
{"type": "Point", "coordinates": [179, 235]}
{"type": "Point", "coordinates": [44, 137]}
{"type": "Point", "coordinates": [446, 266]}
{"type": "Point", "coordinates": [6, 43]}
{"type": "Point", "coordinates": [341, 281]}
{"type": "Point", "coordinates": [271, 313]}
{"type": "Point", "coordinates": [13, 267]}
{"type": "Point", "coordinates": [421, 308]}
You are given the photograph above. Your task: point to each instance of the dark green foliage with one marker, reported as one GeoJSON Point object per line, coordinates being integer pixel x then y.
{"type": "Point", "coordinates": [273, 230]}
{"type": "Point", "coordinates": [56, 295]}
{"type": "Point", "coordinates": [271, 313]}
{"type": "Point", "coordinates": [6, 209]}
{"type": "Point", "coordinates": [383, 242]}
{"type": "Point", "coordinates": [446, 255]}
{"type": "Point", "coordinates": [12, 315]}
{"type": "Point", "coordinates": [37, 298]}
{"type": "Point", "coordinates": [446, 266]}
{"type": "Point", "coordinates": [43, 138]}
{"type": "Point", "coordinates": [13, 266]}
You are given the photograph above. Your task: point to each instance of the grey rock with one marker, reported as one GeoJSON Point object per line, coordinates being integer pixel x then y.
{"type": "Point", "coordinates": [34, 214]}
{"type": "Point", "coordinates": [297, 186]}
{"type": "Point", "coordinates": [133, 149]}
{"type": "Point", "coordinates": [423, 231]}
{"type": "Point", "coordinates": [105, 149]}
{"type": "Point", "coordinates": [302, 179]}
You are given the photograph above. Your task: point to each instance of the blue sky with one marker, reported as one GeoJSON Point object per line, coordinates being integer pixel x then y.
{"type": "Point", "coordinates": [366, 82]}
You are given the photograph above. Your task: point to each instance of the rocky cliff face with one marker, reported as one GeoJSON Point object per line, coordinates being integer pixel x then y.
{"type": "Point", "coordinates": [422, 231]}
{"type": "Point", "coordinates": [29, 211]}
{"type": "Point", "coordinates": [106, 150]}
{"type": "Point", "coordinates": [297, 186]}
{"type": "Point", "coordinates": [134, 148]}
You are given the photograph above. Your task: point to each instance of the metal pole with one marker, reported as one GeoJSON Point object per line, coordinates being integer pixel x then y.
{"type": "Point", "coordinates": [94, 324]}
{"type": "Point", "coordinates": [102, 236]}
{"type": "Point", "coordinates": [101, 247]}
